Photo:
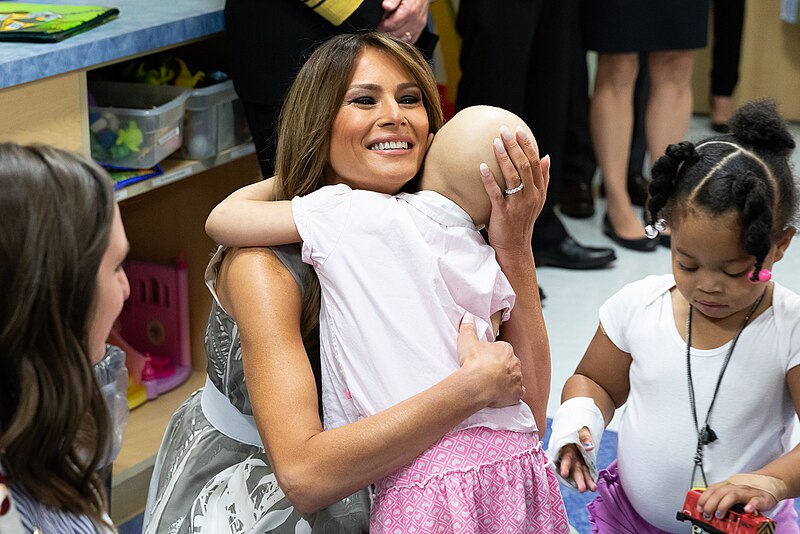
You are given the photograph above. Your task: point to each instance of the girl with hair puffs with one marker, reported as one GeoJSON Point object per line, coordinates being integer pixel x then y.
{"type": "Point", "coordinates": [62, 244]}
{"type": "Point", "coordinates": [706, 359]}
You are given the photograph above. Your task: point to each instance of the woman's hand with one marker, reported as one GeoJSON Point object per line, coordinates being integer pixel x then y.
{"type": "Point", "coordinates": [404, 19]}
{"type": "Point", "coordinates": [495, 364]}
{"type": "Point", "coordinates": [573, 466]}
{"type": "Point", "coordinates": [719, 497]}
{"type": "Point", "coordinates": [510, 225]}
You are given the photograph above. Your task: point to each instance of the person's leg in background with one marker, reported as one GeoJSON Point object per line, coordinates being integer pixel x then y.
{"type": "Point", "coordinates": [669, 105]}
{"type": "Point", "coordinates": [726, 50]}
{"type": "Point", "coordinates": [637, 184]}
{"type": "Point", "coordinates": [494, 52]}
{"type": "Point", "coordinates": [577, 198]}
{"type": "Point", "coordinates": [556, 43]}
{"type": "Point", "coordinates": [611, 119]}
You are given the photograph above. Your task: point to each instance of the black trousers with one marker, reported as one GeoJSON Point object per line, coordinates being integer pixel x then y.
{"type": "Point", "coordinates": [726, 50]}
{"type": "Point", "coordinates": [519, 56]}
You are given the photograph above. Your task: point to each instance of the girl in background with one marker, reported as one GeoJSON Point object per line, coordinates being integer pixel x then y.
{"type": "Point", "coordinates": [706, 358]}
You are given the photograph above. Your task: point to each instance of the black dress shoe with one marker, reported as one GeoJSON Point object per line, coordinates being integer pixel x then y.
{"type": "Point", "coordinates": [576, 199]}
{"type": "Point", "coordinates": [642, 245]}
{"type": "Point", "coordinates": [569, 254]}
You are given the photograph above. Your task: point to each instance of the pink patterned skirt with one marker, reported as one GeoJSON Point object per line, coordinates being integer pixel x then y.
{"type": "Point", "coordinates": [470, 481]}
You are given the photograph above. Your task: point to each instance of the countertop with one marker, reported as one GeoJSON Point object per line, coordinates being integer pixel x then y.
{"type": "Point", "coordinates": [141, 26]}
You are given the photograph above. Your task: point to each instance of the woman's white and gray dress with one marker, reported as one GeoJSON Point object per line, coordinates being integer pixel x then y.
{"type": "Point", "coordinates": [211, 474]}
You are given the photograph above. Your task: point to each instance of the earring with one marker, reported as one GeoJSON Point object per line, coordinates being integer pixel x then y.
{"type": "Point", "coordinates": [764, 275]}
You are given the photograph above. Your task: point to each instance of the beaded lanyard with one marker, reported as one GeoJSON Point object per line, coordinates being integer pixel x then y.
{"type": "Point", "coordinates": [706, 435]}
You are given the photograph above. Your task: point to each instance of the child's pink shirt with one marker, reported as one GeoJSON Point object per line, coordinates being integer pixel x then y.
{"type": "Point", "coordinates": [397, 275]}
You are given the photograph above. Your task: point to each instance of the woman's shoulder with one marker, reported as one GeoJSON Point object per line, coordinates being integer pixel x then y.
{"type": "Point", "coordinates": [288, 257]}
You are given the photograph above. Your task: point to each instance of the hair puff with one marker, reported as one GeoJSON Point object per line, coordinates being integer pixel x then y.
{"type": "Point", "coordinates": [759, 124]}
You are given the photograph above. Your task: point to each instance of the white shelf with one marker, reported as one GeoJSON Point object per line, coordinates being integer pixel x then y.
{"type": "Point", "coordinates": [178, 169]}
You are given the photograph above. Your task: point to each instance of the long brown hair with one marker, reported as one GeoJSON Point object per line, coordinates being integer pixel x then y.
{"type": "Point", "coordinates": [56, 209]}
{"type": "Point", "coordinates": [308, 112]}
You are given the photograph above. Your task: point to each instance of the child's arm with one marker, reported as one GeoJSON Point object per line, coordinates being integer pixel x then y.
{"type": "Point", "coordinates": [249, 217]}
{"type": "Point", "coordinates": [778, 480]}
{"type": "Point", "coordinates": [601, 379]}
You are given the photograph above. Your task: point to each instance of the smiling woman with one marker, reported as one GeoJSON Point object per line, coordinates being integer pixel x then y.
{"type": "Point", "coordinates": [249, 453]}
{"type": "Point", "coordinates": [441, 270]}
{"type": "Point", "coordinates": [383, 113]}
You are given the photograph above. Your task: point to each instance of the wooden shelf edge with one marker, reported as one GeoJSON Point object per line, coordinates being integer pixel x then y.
{"type": "Point", "coordinates": [178, 169]}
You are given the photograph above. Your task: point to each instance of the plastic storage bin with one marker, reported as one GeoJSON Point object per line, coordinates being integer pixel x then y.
{"type": "Point", "coordinates": [135, 125]}
{"type": "Point", "coordinates": [214, 121]}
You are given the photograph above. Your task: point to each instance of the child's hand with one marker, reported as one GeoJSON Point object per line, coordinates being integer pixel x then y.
{"type": "Point", "coordinates": [572, 465]}
{"type": "Point", "coordinates": [511, 221]}
{"type": "Point", "coordinates": [494, 363]}
{"type": "Point", "coordinates": [719, 497]}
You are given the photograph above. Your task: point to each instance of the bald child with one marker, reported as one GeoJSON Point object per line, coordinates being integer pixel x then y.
{"type": "Point", "coordinates": [462, 145]}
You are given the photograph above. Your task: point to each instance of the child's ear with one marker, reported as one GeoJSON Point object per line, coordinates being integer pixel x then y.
{"type": "Point", "coordinates": [783, 242]}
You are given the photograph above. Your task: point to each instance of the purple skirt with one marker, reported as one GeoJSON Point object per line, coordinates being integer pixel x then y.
{"type": "Point", "coordinates": [612, 513]}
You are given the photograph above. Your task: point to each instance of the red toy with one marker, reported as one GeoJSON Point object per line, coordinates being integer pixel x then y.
{"type": "Point", "coordinates": [736, 521]}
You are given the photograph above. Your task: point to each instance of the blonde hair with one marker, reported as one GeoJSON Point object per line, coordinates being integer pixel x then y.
{"type": "Point", "coordinates": [308, 112]}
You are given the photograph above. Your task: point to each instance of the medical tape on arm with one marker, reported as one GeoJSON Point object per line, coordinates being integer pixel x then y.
{"type": "Point", "coordinates": [572, 415]}
{"type": "Point", "coordinates": [774, 486]}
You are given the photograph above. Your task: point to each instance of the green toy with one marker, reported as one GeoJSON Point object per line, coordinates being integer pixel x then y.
{"type": "Point", "coordinates": [185, 78]}
{"type": "Point", "coordinates": [131, 138]}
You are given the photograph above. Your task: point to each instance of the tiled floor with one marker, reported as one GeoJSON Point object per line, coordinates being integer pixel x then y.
{"type": "Point", "coordinates": [573, 297]}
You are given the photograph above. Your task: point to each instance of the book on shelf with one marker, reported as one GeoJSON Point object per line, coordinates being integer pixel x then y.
{"type": "Point", "coordinates": [49, 23]}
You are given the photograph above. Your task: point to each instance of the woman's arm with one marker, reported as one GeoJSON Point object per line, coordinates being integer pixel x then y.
{"type": "Point", "coordinates": [782, 482]}
{"type": "Point", "coordinates": [316, 468]}
{"type": "Point", "coordinates": [510, 231]}
{"type": "Point", "coordinates": [246, 219]}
